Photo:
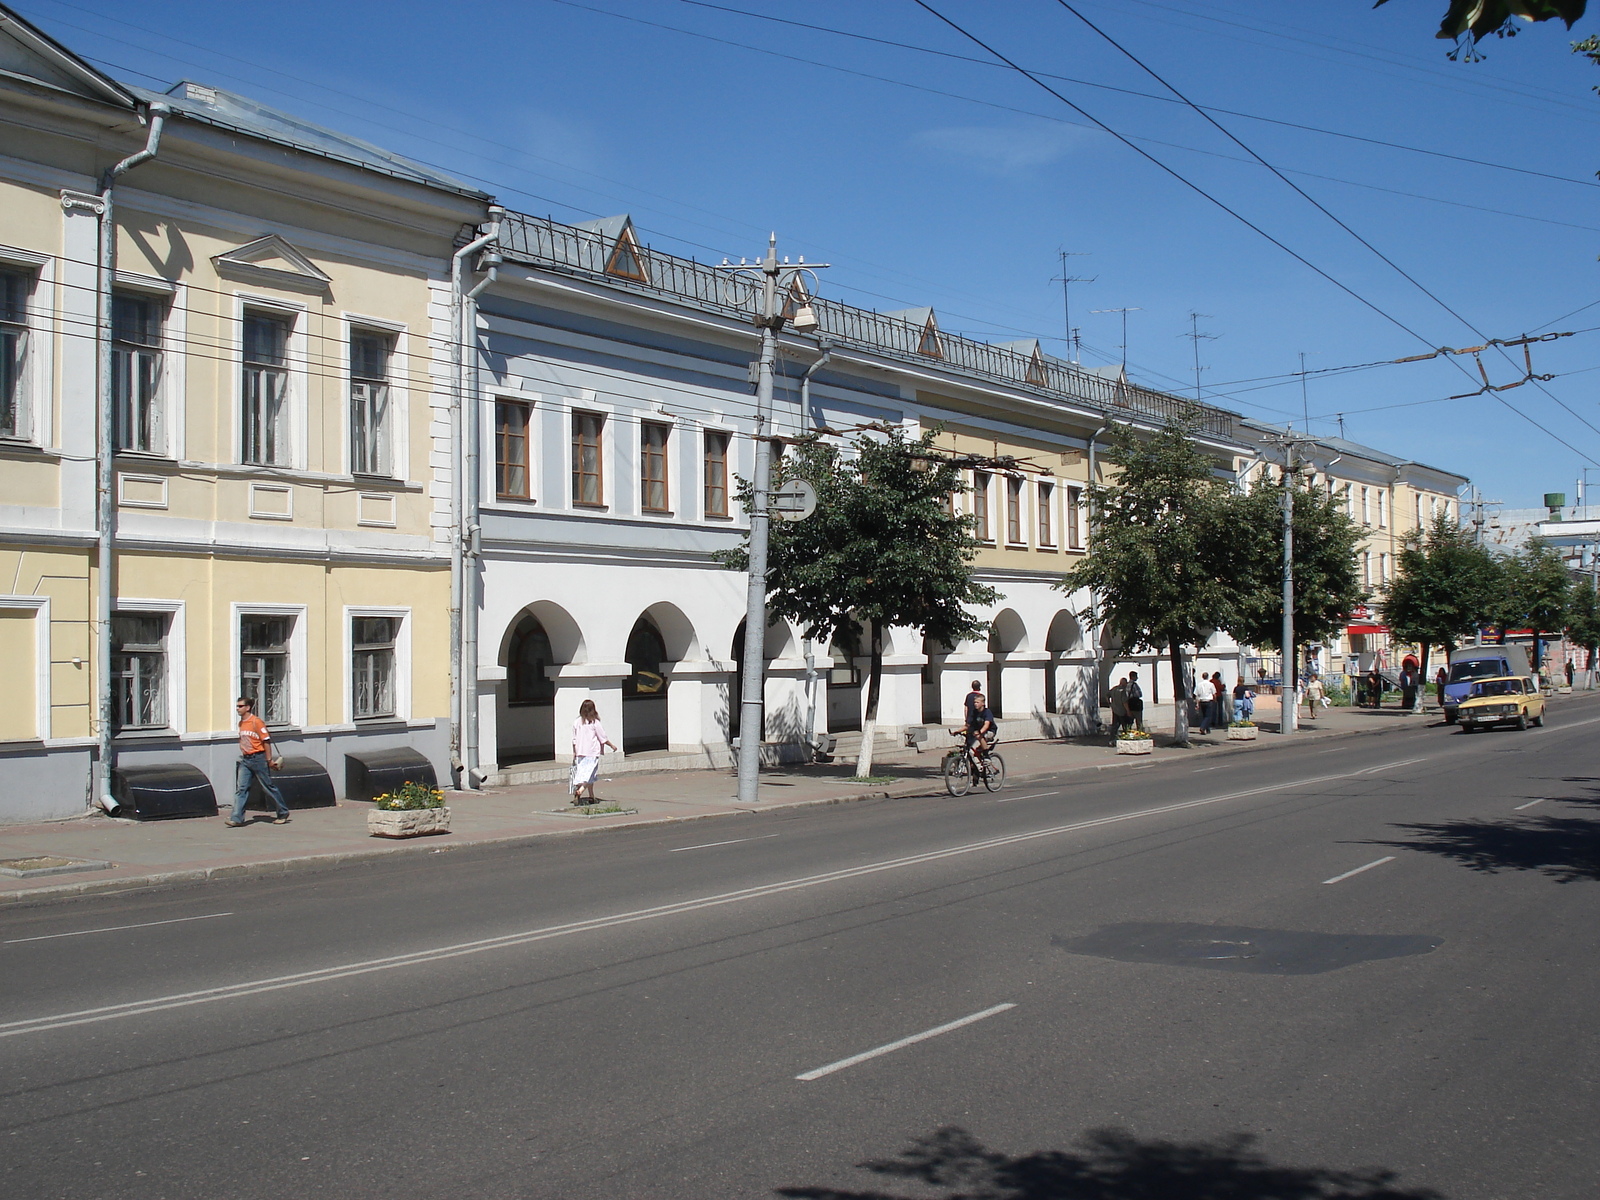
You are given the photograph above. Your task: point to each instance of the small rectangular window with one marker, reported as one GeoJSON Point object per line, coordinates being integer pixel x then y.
{"type": "Point", "coordinates": [1014, 534]}
{"type": "Point", "coordinates": [136, 329]}
{"type": "Point", "coordinates": [1383, 510]}
{"type": "Point", "coordinates": [370, 353]}
{"type": "Point", "coordinates": [15, 289]}
{"type": "Point", "coordinates": [372, 666]}
{"type": "Point", "coordinates": [265, 420]}
{"type": "Point", "coordinates": [653, 467]}
{"type": "Point", "coordinates": [1366, 507]}
{"type": "Point", "coordinates": [512, 420]}
{"type": "Point", "coordinates": [588, 482]}
{"type": "Point", "coordinates": [716, 469]}
{"type": "Point", "coordinates": [264, 665]}
{"type": "Point", "coordinates": [1074, 518]}
{"type": "Point", "coordinates": [980, 505]}
{"type": "Point", "coordinates": [139, 670]}
{"type": "Point", "coordinates": [1047, 500]}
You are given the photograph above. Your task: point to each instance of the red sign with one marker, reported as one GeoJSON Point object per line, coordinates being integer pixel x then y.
{"type": "Point", "coordinates": [1361, 621]}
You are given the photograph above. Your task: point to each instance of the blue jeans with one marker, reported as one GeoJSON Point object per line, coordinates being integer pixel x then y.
{"type": "Point", "coordinates": [254, 766]}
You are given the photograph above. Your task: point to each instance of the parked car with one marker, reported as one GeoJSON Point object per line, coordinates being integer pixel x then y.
{"type": "Point", "coordinates": [1478, 663]}
{"type": "Point", "coordinates": [1513, 700]}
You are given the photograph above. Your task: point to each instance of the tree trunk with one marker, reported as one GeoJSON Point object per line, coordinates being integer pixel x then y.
{"type": "Point", "coordinates": [869, 719]}
{"type": "Point", "coordinates": [1180, 696]}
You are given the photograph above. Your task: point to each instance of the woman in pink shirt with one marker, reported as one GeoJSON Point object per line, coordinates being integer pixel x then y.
{"type": "Point", "coordinates": [588, 744]}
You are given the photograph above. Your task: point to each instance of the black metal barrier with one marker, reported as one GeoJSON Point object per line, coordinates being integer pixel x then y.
{"type": "Point", "coordinates": [163, 791]}
{"type": "Point", "coordinates": [303, 783]}
{"type": "Point", "coordinates": [374, 772]}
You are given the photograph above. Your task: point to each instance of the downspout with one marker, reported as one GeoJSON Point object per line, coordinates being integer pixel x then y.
{"type": "Point", "coordinates": [1094, 604]}
{"type": "Point", "coordinates": [463, 490]}
{"type": "Point", "coordinates": [811, 665]}
{"type": "Point", "coordinates": [805, 380]}
{"type": "Point", "coordinates": [105, 454]}
{"type": "Point", "coordinates": [473, 436]}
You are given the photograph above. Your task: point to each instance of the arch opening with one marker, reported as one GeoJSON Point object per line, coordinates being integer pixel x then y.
{"type": "Point", "coordinates": [644, 691]}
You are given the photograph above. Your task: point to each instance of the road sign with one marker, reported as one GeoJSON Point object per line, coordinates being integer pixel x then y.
{"type": "Point", "coordinates": [793, 501]}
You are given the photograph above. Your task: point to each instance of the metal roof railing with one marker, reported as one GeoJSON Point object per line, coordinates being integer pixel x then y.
{"type": "Point", "coordinates": [542, 242]}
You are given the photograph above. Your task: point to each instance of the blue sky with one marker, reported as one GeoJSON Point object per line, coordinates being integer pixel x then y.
{"type": "Point", "coordinates": [928, 179]}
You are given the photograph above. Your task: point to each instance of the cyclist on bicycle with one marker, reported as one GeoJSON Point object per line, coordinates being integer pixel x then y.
{"type": "Point", "coordinates": [980, 730]}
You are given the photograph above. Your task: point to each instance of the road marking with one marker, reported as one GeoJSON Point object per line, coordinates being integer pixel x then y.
{"type": "Point", "coordinates": [45, 937]}
{"type": "Point", "coordinates": [729, 842]}
{"type": "Point", "coordinates": [526, 937]}
{"type": "Point", "coordinates": [890, 1047]}
{"type": "Point", "coordinates": [1530, 803]}
{"type": "Point", "coordinates": [1405, 762]}
{"type": "Point", "coordinates": [1375, 863]}
{"type": "Point", "coordinates": [1218, 767]}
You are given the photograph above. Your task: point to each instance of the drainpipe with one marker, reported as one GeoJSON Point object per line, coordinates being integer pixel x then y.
{"type": "Point", "coordinates": [105, 455]}
{"type": "Point", "coordinates": [463, 501]}
{"type": "Point", "coordinates": [1094, 606]}
{"type": "Point", "coordinates": [826, 347]}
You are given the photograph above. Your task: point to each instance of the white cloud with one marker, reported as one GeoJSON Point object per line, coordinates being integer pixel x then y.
{"type": "Point", "coordinates": [1003, 150]}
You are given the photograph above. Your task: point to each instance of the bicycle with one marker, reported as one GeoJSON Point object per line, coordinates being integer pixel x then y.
{"type": "Point", "coordinates": [963, 771]}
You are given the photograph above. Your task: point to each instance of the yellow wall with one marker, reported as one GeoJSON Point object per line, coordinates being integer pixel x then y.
{"type": "Point", "coordinates": [64, 576]}
{"type": "Point", "coordinates": [19, 699]}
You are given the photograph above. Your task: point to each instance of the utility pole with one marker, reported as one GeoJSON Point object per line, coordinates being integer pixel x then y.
{"type": "Point", "coordinates": [1478, 504]}
{"type": "Point", "coordinates": [1066, 281]}
{"type": "Point", "coordinates": [1291, 680]}
{"type": "Point", "coordinates": [1195, 336]}
{"type": "Point", "coordinates": [1124, 312]}
{"type": "Point", "coordinates": [775, 278]}
{"type": "Point", "coordinates": [1305, 398]}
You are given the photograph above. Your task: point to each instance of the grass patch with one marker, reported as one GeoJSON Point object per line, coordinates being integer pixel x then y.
{"type": "Point", "coordinates": [873, 779]}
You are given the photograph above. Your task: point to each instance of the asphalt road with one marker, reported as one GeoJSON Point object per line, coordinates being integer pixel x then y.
{"type": "Point", "coordinates": [1361, 970]}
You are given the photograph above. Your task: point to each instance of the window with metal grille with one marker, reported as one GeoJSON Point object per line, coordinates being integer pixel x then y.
{"type": "Point", "coordinates": [1014, 534]}
{"type": "Point", "coordinates": [716, 468]}
{"type": "Point", "coordinates": [653, 467]}
{"type": "Point", "coordinates": [511, 421]}
{"type": "Point", "coordinates": [588, 482]}
{"type": "Point", "coordinates": [15, 289]}
{"type": "Point", "coordinates": [1074, 518]}
{"type": "Point", "coordinates": [980, 505]}
{"type": "Point", "coordinates": [1047, 499]}
{"type": "Point", "coordinates": [264, 665]}
{"type": "Point", "coordinates": [369, 403]}
{"type": "Point", "coordinates": [265, 391]}
{"type": "Point", "coordinates": [139, 670]}
{"type": "Point", "coordinates": [372, 665]}
{"type": "Point", "coordinates": [136, 323]}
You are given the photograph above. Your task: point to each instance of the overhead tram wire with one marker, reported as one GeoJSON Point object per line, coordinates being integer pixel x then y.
{"type": "Point", "coordinates": [1320, 207]}
{"type": "Point", "coordinates": [1240, 217]}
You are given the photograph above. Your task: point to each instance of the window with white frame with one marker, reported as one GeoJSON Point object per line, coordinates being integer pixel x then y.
{"type": "Point", "coordinates": [1417, 497]}
{"type": "Point", "coordinates": [139, 670]}
{"type": "Point", "coordinates": [265, 388]}
{"type": "Point", "coordinates": [1383, 509]}
{"type": "Point", "coordinates": [653, 440]}
{"type": "Point", "coordinates": [16, 288]}
{"type": "Point", "coordinates": [265, 664]}
{"type": "Point", "coordinates": [1047, 500]}
{"type": "Point", "coordinates": [137, 323]}
{"type": "Point", "coordinates": [1366, 569]}
{"type": "Point", "coordinates": [372, 666]}
{"type": "Point", "coordinates": [513, 423]}
{"type": "Point", "coordinates": [1016, 534]}
{"type": "Point", "coordinates": [370, 432]}
{"type": "Point", "coordinates": [1074, 518]}
{"type": "Point", "coordinates": [588, 474]}
{"type": "Point", "coordinates": [1383, 568]}
{"type": "Point", "coordinates": [1366, 506]}
{"type": "Point", "coordinates": [980, 506]}
{"type": "Point", "coordinates": [716, 473]}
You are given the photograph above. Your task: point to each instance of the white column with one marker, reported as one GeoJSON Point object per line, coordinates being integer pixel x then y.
{"type": "Point", "coordinates": [960, 669]}
{"type": "Point", "coordinates": [491, 686]}
{"type": "Point", "coordinates": [577, 682]}
{"type": "Point", "coordinates": [900, 695]}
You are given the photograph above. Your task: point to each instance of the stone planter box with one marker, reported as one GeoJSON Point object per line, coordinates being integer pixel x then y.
{"type": "Point", "coordinates": [1242, 733]}
{"type": "Point", "coordinates": [407, 822]}
{"type": "Point", "coordinates": [1134, 745]}
{"type": "Point", "coordinates": [1563, 691]}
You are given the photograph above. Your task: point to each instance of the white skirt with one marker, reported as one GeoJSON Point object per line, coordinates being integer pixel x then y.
{"type": "Point", "coordinates": [584, 772]}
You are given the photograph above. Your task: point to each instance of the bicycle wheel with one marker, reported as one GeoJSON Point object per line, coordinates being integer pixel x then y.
{"type": "Point", "coordinates": [994, 772]}
{"type": "Point", "coordinates": [957, 775]}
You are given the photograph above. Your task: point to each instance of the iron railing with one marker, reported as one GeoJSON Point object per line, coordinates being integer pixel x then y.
{"type": "Point", "coordinates": [542, 242]}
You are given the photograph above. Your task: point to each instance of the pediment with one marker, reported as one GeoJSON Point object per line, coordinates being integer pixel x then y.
{"type": "Point", "coordinates": [272, 260]}
{"type": "Point", "coordinates": [29, 53]}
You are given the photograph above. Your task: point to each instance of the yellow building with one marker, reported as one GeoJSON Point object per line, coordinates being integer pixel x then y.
{"type": "Point", "coordinates": [280, 389]}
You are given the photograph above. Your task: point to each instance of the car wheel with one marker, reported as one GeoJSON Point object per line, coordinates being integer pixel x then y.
{"type": "Point", "coordinates": [1465, 728]}
{"type": "Point", "coordinates": [1539, 720]}
{"type": "Point", "coordinates": [1449, 717]}
{"type": "Point", "coordinates": [1522, 721]}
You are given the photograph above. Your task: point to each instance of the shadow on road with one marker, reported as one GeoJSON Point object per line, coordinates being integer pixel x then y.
{"type": "Point", "coordinates": [1111, 1164]}
{"type": "Point", "coordinates": [1566, 849]}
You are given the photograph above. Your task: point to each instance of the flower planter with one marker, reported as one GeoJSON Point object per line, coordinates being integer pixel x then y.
{"type": "Point", "coordinates": [1563, 691]}
{"type": "Point", "coordinates": [1242, 733]}
{"type": "Point", "coordinates": [407, 822]}
{"type": "Point", "coordinates": [1134, 745]}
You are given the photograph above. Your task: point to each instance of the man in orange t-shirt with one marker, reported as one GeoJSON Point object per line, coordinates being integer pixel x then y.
{"type": "Point", "coordinates": [255, 762]}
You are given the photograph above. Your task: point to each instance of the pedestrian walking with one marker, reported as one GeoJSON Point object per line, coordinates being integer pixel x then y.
{"type": "Point", "coordinates": [1570, 672]}
{"type": "Point", "coordinates": [257, 761]}
{"type": "Point", "coordinates": [589, 742]}
{"type": "Point", "coordinates": [1219, 700]}
{"type": "Point", "coordinates": [1244, 701]}
{"type": "Point", "coordinates": [1119, 708]}
{"type": "Point", "coordinates": [1135, 701]}
{"type": "Point", "coordinates": [973, 697]}
{"type": "Point", "coordinates": [1374, 688]}
{"type": "Point", "coordinates": [1438, 685]}
{"type": "Point", "coordinates": [1316, 695]}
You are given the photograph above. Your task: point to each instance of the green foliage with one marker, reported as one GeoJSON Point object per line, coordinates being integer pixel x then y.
{"type": "Point", "coordinates": [410, 795]}
{"type": "Point", "coordinates": [1583, 616]}
{"type": "Point", "coordinates": [883, 548]}
{"type": "Point", "coordinates": [1480, 18]}
{"type": "Point", "coordinates": [1444, 587]}
{"type": "Point", "coordinates": [1536, 589]}
{"type": "Point", "coordinates": [1327, 586]}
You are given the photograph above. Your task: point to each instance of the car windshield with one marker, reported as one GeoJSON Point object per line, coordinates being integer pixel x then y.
{"type": "Point", "coordinates": [1498, 687]}
{"type": "Point", "coordinates": [1476, 668]}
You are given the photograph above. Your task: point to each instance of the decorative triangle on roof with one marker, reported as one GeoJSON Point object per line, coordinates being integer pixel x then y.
{"type": "Point", "coordinates": [930, 343]}
{"type": "Point", "coordinates": [1037, 372]}
{"type": "Point", "coordinates": [271, 260]}
{"type": "Point", "coordinates": [623, 257]}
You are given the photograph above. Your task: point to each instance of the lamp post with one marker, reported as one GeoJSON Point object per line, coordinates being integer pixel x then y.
{"type": "Point", "coordinates": [773, 277]}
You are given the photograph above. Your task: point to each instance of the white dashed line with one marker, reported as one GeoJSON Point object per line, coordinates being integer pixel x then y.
{"type": "Point", "coordinates": [902, 1043]}
{"type": "Point", "coordinates": [729, 842]}
{"type": "Point", "coordinates": [1375, 863]}
{"type": "Point", "coordinates": [1530, 803]}
{"type": "Point", "coordinates": [45, 937]}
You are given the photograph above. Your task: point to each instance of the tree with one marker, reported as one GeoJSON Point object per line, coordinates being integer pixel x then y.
{"type": "Point", "coordinates": [1327, 587]}
{"type": "Point", "coordinates": [1445, 587]}
{"type": "Point", "coordinates": [1480, 18]}
{"type": "Point", "coordinates": [1536, 589]}
{"type": "Point", "coordinates": [1583, 619]}
{"type": "Point", "coordinates": [884, 548]}
{"type": "Point", "coordinates": [1161, 559]}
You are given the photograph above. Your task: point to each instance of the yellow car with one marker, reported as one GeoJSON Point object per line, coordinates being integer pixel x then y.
{"type": "Point", "coordinates": [1508, 700]}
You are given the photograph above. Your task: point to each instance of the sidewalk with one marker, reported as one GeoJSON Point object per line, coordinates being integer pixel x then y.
{"type": "Point", "coordinates": [109, 854]}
